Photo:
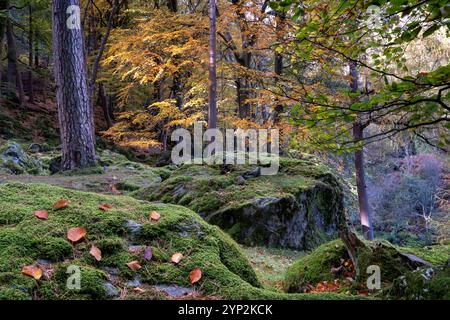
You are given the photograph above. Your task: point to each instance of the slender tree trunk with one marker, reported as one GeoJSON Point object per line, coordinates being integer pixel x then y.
{"type": "Point", "coordinates": [30, 56]}
{"type": "Point", "coordinates": [172, 5]}
{"type": "Point", "coordinates": [176, 87]}
{"type": "Point", "coordinates": [72, 93]}
{"type": "Point", "coordinates": [176, 90]}
{"type": "Point", "coordinates": [104, 104]}
{"type": "Point", "coordinates": [4, 5]}
{"type": "Point", "coordinates": [358, 135]}
{"type": "Point", "coordinates": [96, 65]}
{"type": "Point", "coordinates": [244, 59]}
{"type": "Point", "coordinates": [13, 65]}
{"type": "Point", "coordinates": [278, 64]}
{"type": "Point", "coordinates": [212, 107]}
{"type": "Point", "coordinates": [36, 52]}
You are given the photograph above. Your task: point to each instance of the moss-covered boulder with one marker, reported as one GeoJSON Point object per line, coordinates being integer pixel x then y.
{"type": "Point", "coordinates": [395, 264]}
{"type": "Point", "coordinates": [120, 233]}
{"type": "Point", "coordinates": [297, 208]}
{"type": "Point", "coordinates": [422, 284]}
{"type": "Point", "coordinates": [315, 267]}
{"type": "Point", "coordinates": [15, 160]}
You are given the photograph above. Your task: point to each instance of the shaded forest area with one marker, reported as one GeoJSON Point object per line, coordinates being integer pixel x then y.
{"type": "Point", "coordinates": [91, 92]}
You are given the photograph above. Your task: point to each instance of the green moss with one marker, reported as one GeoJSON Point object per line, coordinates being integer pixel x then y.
{"type": "Point", "coordinates": [300, 185]}
{"type": "Point", "coordinates": [437, 255]}
{"type": "Point", "coordinates": [52, 248]}
{"type": "Point", "coordinates": [91, 283]}
{"type": "Point", "coordinates": [430, 284]}
{"type": "Point", "coordinates": [226, 271]}
{"type": "Point", "coordinates": [13, 294]}
{"type": "Point", "coordinates": [394, 267]}
{"type": "Point", "coordinates": [315, 267]}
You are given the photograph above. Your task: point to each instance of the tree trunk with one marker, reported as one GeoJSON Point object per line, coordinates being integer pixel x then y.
{"type": "Point", "coordinates": [358, 135]}
{"type": "Point", "coordinates": [72, 94]}
{"type": "Point", "coordinates": [172, 5]}
{"type": "Point", "coordinates": [278, 64]}
{"type": "Point", "coordinates": [104, 104]}
{"type": "Point", "coordinates": [244, 59]}
{"type": "Point", "coordinates": [4, 5]}
{"type": "Point", "coordinates": [96, 65]}
{"type": "Point", "coordinates": [212, 106]}
{"type": "Point", "coordinates": [36, 53]}
{"type": "Point", "coordinates": [30, 56]}
{"type": "Point", "coordinates": [176, 90]}
{"type": "Point", "coordinates": [13, 65]}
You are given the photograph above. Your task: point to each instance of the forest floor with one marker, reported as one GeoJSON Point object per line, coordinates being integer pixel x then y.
{"type": "Point", "coordinates": [270, 264]}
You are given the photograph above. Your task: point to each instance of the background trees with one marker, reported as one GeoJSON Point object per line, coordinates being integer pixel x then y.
{"type": "Point", "coordinates": [342, 79]}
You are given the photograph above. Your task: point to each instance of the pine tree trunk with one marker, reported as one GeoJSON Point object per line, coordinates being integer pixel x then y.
{"type": "Point", "coordinates": [212, 108]}
{"type": "Point", "coordinates": [358, 135]}
{"type": "Point", "coordinates": [13, 65]}
{"type": "Point", "coordinates": [30, 56]}
{"type": "Point", "coordinates": [4, 5]}
{"type": "Point", "coordinates": [72, 94]}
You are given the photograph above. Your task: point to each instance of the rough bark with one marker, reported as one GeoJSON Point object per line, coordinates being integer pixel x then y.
{"type": "Point", "coordinates": [4, 5]}
{"type": "Point", "coordinates": [13, 74]}
{"type": "Point", "coordinates": [30, 55]}
{"type": "Point", "coordinates": [72, 94]}
{"type": "Point", "coordinates": [212, 106]}
{"type": "Point", "coordinates": [358, 135]}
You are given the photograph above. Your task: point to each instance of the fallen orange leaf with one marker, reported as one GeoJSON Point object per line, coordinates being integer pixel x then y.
{"type": "Point", "coordinates": [139, 290]}
{"type": "Point", "coordinates": [76, 234]}
{"type": "Point", "coordinates": [176, 258]}
{"type": "Point", "coordinates": [96, 253]}
{"type": "Point", "coordinates": [195, 275]}
{"type": "Point", "coordinates": [32, 271]}
{"type": "Point", "coordinates": [134, 265]}
{"type": "Point", "coordinates": [60, 204]}
{"type": "Point", "coordinates": [105, 207]}
{"type": "Point", "coordinates": [41, 214]}
{"type": "Point", "coordinates": [155, 216]}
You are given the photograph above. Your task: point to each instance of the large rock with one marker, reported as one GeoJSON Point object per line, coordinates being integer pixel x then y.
{"type": "Point", "coordinates": [298, 208]}
{"type": "Point", "coordinates": [14, 160]}
{"type": "Point", "coordinates": [26, 240]}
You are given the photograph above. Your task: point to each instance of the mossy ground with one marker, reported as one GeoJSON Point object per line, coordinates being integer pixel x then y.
{"type": "Point", "coordinates": [26, 240]}
{"type": "Point", "coordinates": [207, 188]}
{"type": "Point", "coordinates": [317, 266]}
{"type": "Point", "coordinates": [113, 174]}
{"type": "Point", "coordinates": [235, 197]}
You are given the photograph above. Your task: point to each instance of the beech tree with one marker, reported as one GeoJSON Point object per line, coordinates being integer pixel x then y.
{"type": "Point", "coordinates": [72, 94]}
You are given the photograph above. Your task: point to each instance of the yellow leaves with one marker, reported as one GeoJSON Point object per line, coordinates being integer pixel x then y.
{"type": "Point", "coordinates": [32, 271]}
